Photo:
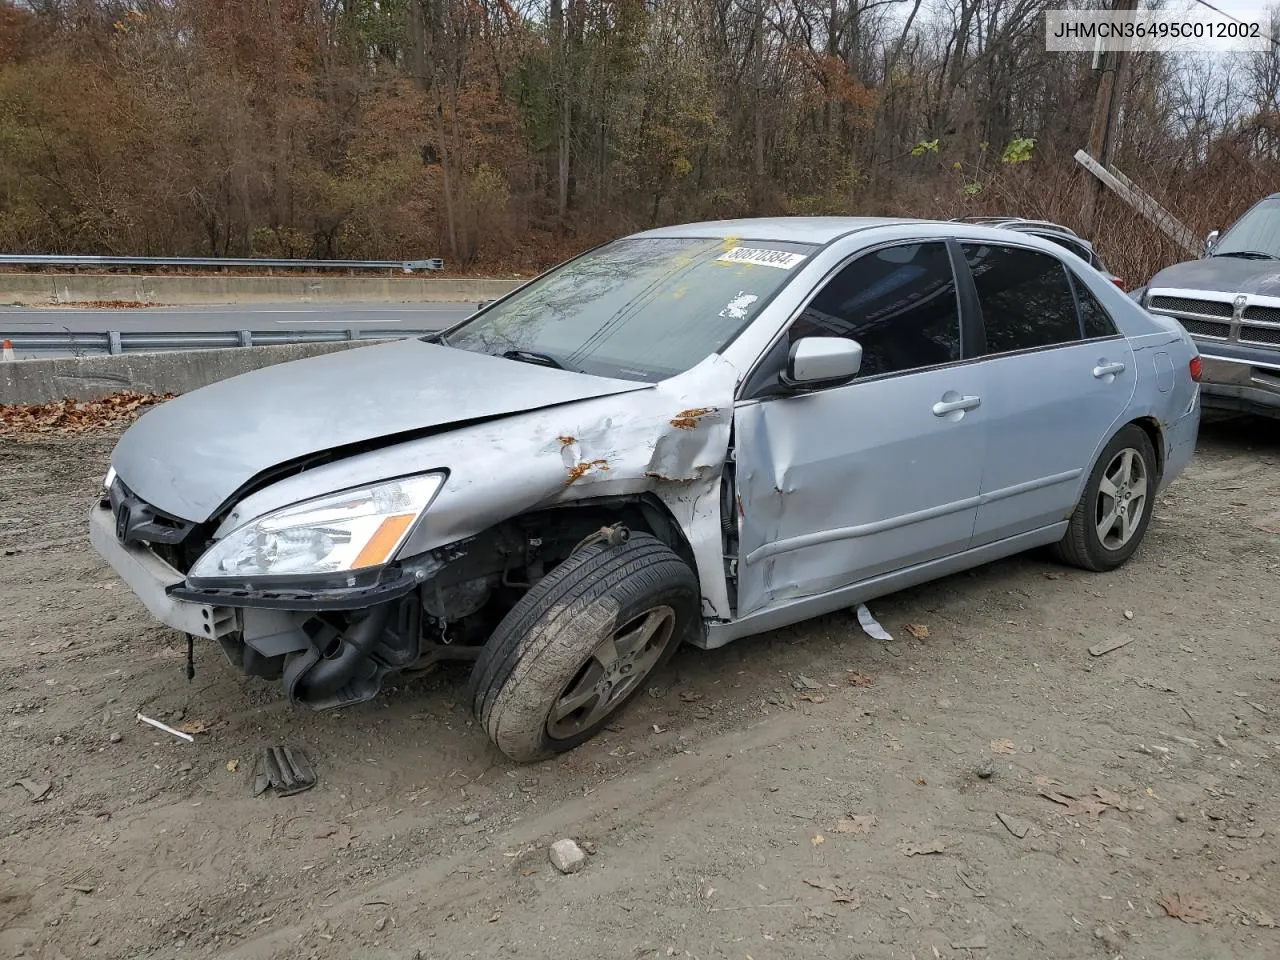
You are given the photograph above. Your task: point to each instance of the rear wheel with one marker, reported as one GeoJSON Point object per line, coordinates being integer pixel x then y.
{"type": "Point", "coordinates": [1112, 516]}
{"type": "Point", "coordinates": [580, 644]}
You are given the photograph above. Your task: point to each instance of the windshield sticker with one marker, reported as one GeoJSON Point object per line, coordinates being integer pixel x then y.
{"type": "Point", "coordinates": [736, 309]}
{"type": "Point", "coordinates": [763, 258]}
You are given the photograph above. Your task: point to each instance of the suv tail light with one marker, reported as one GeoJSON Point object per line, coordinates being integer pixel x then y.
{"type": "Point", "coordinates": [1196, 367]}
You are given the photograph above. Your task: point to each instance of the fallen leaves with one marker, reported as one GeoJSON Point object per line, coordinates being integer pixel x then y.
{"type": "Point", "coordinates": [1015, 826]}
{"type": "Point", "coordinates": [1181, 907]}
{"type": "Point", "coordinates": [195, 726]}
{"type": "Point", "coordinates": [818, 840]}
{"type": "Point", "coordinates": [917, 630]}
{"type": "Point", "coordinates": [838, 894]}
{"type": "Point", "coordinates": [1003, 746]}
{"type": "Point", "coordinates": [813, 697]}
{"type": "Point", "coordinates": [67, 416]}
{"type": "Point", "coordinates": [38, 790]}
{"type": "Point", "coordinates": [859, 824]}
{"type": "Point", "coordinates": [233, 766]}
{"type": "Point", "coordinates": [922, 849]}
{"type": "Point", "coordinates": [1075, 806]}
{"type": "Point", "coordinates": [1111, 799]}
{"type": "Point", "coordinates": [859, 679]}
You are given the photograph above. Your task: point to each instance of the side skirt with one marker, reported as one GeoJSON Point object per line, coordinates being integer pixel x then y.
{"type": "Point", "coordinates": [796, 611]}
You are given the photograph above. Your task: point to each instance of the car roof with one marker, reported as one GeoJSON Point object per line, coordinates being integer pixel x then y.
{"type": "Point", "coordinates": [818, 230]}
{"type": "Point", "coordinates": [822, 230]}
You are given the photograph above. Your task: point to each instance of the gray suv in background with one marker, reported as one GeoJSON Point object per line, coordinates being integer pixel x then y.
{"type": "Point", "coordinates": [1229, 301]}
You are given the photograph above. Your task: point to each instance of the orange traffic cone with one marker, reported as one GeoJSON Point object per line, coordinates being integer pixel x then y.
{"type": "Point", "coordinates": [7, 352]}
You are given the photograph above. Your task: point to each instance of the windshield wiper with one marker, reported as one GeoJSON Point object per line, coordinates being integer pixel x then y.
{"type": "Point", "coordinates": [529, 356]}
{"type": "Point", "coordinates": [1248, 255]}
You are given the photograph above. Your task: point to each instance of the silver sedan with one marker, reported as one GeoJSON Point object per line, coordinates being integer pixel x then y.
{"type": "Point", "coordinates": [691, 434]}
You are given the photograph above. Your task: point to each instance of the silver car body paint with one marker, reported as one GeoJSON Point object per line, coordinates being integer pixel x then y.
{"type": "Point", "coordinates": [234, 429]}
{"type": "Point", "coordinates": [669, 439]}
{"type": "Point", "coordinates": [844, 494]}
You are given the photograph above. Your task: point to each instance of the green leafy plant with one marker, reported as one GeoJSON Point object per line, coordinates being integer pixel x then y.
{"type": "Point", "coordinates": [923, 147]}
{"type": "Point", "coordinates": [1019, 150]}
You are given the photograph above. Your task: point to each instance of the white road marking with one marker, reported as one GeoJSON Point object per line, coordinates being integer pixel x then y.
{"type": "Point", "coordinates": [349, 320]}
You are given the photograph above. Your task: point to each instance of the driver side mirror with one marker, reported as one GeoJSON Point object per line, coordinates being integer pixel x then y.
{"type": "Point", "coordinates": [1210, 242]}
{"type": "Point", "coordinates": [815, 362]}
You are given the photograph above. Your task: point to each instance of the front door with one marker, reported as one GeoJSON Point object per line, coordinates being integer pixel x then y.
{"type": "Point", "coordinates": [842, 484]}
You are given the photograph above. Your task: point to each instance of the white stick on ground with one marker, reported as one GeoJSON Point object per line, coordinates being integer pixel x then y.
{"type": "Point", "coordinates": [167, 729]}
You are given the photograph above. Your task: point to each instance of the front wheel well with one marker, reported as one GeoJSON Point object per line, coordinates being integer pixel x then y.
{"type": "Point", "coordinates": [487, 573]}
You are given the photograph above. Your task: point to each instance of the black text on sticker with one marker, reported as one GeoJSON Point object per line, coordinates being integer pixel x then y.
{"type": "Point", "coordinates": [764, 258]}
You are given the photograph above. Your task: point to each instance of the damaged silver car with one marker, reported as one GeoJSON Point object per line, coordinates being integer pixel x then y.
{"type": "Point", "coordinates": [688, 435]}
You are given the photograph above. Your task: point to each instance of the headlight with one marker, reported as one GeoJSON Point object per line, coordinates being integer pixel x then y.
{"type": "Point", "coordinates": [349, 531]}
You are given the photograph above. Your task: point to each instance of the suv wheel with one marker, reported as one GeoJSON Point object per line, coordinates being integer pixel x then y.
{"type": "Point", "coordinates": [580, 644]}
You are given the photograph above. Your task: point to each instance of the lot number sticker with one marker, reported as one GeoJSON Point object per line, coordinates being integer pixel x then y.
{"type": "Point", "coordinates": [764, 258]}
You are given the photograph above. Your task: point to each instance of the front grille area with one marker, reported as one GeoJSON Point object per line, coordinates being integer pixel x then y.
{"type": "Point", "coordinates": [177, 542]}
{"type": "Point", "coordinates": [1205, 328]}
{"type": "Point", "coordinates": [1269, 335]}
{"type": "Point", "coordinates": [1209, 308]}
{"type": "Point", "coordinates": [1265, 314]}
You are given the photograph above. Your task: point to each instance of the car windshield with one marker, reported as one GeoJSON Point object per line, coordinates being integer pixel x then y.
{"type": "Point", "coordinates": [1257, 232]}
{"type": "Point", "coordinates": [638, 308]}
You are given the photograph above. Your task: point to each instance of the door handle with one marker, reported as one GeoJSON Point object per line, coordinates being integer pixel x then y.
{"type": "Point", "coordinates": [1105, 369]}
{"type": "Point", "coordinates": [944, 407]}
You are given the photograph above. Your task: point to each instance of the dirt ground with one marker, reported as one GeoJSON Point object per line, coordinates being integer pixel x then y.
{"type": "Point", "coordinates": [808, 793]}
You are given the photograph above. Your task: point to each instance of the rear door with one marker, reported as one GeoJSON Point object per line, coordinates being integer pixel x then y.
{"type": "Point", "coordinates": [1058, 376]}
{"type": "Point", "coordinates": [841, 484]}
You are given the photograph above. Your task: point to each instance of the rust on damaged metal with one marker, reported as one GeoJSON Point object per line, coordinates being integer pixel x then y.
{"type": "Point", "coordinates": [688, 419]}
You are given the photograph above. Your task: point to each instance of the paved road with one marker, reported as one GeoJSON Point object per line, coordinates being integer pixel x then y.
{"type": "Point", "coordinates": [259, 316]}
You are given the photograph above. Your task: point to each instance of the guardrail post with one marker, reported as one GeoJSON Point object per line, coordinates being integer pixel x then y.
{"type": "Point", "coordinates": [113, 342]}
{"type": "Point", "coordinates": [246, 338]}
{"type": "Point", "coordinates": [352, 335]}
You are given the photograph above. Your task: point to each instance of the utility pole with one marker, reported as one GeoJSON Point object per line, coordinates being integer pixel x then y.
{"type": "Point", "coordinates": [1106, 109]}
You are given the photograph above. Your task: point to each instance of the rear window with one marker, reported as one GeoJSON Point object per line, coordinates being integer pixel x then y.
{"type": "Point", "coordinates": [639, 308]}
{"type": "Point", "coordinates": [1093, 315]}
{"type": "Point", "coordinates": [1025, 297]}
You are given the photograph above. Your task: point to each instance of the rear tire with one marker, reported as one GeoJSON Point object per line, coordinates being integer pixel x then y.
{"type": "Point", "coordinates": [580, 644]}
{"type": "Point", "coordinates": [1114, 510]}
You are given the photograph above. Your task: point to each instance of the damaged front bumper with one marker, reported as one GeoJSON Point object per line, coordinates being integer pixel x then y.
{"type": "Point", "coordinates": [151, 579]}
{"type": "Point", "coordinates": [330, 647]}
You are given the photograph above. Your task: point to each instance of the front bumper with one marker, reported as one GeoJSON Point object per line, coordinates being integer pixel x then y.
{"type": "Point", "coordinates": [150, 578]}
{"type": "Point", "coordinates": [1240, 378]}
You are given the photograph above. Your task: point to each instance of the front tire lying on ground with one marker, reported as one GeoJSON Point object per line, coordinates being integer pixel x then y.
{"type": "Point", "coordinates": [580, 644]}
{"type": "Point", "coordinates": [1112, 516]}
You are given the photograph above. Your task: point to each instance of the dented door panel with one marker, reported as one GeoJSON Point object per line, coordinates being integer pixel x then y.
{"type": "Point", "coordinates": [841, 485]}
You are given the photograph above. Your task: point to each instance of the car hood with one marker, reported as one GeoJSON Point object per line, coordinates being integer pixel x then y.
{"type": "Point", "coordinates": [188, 456]}
{"type": "Point", "coordinates": [1224, 274]}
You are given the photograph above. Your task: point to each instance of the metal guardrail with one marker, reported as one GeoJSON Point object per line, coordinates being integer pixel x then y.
{"type": "Point", "coordinates": [129, 341]}
{"type": "Point", "coordinates": [75, 262]}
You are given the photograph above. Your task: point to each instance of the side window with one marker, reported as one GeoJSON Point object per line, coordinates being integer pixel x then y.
{"type": "Point", "coordinates": [1097, 322]}
{"type": "Point", "coordinates": [1025, 297]}
{"type": "Point", "coordinates": [898, 303]}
